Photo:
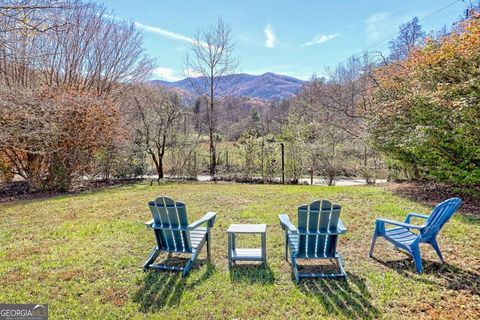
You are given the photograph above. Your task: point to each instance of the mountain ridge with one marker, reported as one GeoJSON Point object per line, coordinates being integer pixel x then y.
{"type": "Point", "coordinates": [267, 86]}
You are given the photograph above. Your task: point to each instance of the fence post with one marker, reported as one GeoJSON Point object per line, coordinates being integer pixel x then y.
{"type": "Point", "coordinates": [283, 163]}
{"type": "Point", "coordinates": [226, 159]}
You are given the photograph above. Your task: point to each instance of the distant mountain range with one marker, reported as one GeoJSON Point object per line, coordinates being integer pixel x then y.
{"type": "Point", "coordinates": [268, 86]}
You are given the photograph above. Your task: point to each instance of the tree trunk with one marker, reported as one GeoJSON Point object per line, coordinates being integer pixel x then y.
{"type": "Point", "coordinates": [331, 178]}
{"type": "Point", "coordinates": [365, 156]}
{"type": "Point", "coordinates": [161, 154]}
{"type": "Point", "coordinates": [195, 165]}
{"type": "Point", "coordinates": [311, 174]}
{"type": "Point", "coordinates": [158, 165]}
{"type": "Point", "coordinates": [211, 130]}
{"type": "Point", "coordinates": [160, 168]}
{"type": "Point", "coordinates": [213, 155]}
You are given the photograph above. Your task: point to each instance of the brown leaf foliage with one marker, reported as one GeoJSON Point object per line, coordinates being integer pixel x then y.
{"type": "Point", "coordinates": [49, 136]}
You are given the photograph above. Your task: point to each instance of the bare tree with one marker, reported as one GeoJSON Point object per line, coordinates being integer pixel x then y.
{"type": "Point", "coordinates": [325, 131]}
{"type": "Point", "coordinates": [410, 35]}
{"type": "Point", "coordinates": [62, 49]}
{"type": "Point", "coordinates": [153, 117]}
{"type": "Point", "coordinates": [68, 43]}
{"type": "Point", "coordinates": [212, 59]}
{"type": "Point", "coordinates": [33, 15]}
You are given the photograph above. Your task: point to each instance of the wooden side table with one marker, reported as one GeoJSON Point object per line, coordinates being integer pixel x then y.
{"type": "Point", "coordinates": [247, 254]}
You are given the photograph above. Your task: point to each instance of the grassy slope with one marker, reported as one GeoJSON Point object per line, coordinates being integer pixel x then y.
{"type": "Point", "coordinates": [83, 254]}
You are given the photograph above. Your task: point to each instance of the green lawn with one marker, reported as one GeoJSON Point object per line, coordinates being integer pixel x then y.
{"type": "Point", "coordinates": [83, 255]}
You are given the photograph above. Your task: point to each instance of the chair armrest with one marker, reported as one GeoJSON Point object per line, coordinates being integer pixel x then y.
{"type": "Point", "coordinates": [413, 214]}
{"type": "Point", "coordinates": [400, 224]}
{"type": "Point", "coordinates": [285, 223]}
{"type": "Point", "coordinates": [208, 217]}
{"type": "Point", "coordinates": [150, 223]}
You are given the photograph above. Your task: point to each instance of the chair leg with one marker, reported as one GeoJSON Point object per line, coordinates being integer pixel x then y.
{"type": "Point", "coordinates": [372, 246]}
{"type": "Point", "coordinates": [194, 257]}
{"type": "Point", "coordinates": [229, 250]}
{"type": "Point", "coordinates": [379, 231]}
{"type": "Point", "coordinates": [209, 253]}
{"type": "Point", "coordinates": [295, 270]}
{"type": "Point", "coordinates": [187, 267]}
{"type": "Point", "coordinates": [418, 259]}
{"type": "Point", "coordinates": [341, 264]}
{"type": "Point", "coordinates": [437, 249]}
{"type": "Point", "coordinates": [190, 262]}
{"type": "Point", "coordinates": [153, 256]}
{"type": "Point", "coordinates": [286, 246]}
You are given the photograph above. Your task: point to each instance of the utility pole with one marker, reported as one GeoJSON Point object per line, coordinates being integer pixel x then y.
{"type": "Point", "coordinates": [283, 163]}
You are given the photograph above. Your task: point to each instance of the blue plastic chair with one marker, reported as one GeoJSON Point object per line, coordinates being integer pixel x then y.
{"type": "Point", "coordinates": [173, 234]}
{"type": "Point", "coordinates": [402, 237]}
{"type": "Point", "coordinates": [319, 226]}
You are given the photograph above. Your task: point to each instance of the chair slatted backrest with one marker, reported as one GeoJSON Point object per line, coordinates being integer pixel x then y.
{"type": "Point", "coordinates": [171, 217]}
{"type": "Point", "coordinates": [439, 216]}
{"type": "Point", "coordinates": [318, 216]}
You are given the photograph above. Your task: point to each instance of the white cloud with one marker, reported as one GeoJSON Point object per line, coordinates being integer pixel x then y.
{"type": "Point", "coordinates": [189, 73]}
{"type": "Point", "coordinates": [320, 38]}
{"type": "Point", "coordinates": [165, 33]}
{"type": "Point", "coordinates": [377, 26]}
{"type": "Point", "coordinates": [270, 38]}
{"type": "Point", "coordinates": [166, 74]}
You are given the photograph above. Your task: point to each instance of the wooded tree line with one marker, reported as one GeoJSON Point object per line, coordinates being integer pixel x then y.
{"type": "Point", "coordinates": [63, 66]}
{"type": "Point", "coordinates": [426, 116]}
{"type": "Point", "coordinates": [76, 103]}
{"type": "Point", "coordinates": [417, 109]}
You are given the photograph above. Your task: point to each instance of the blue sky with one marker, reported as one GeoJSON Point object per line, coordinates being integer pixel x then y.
{"type": "Point", "coordinates": [296, 38]}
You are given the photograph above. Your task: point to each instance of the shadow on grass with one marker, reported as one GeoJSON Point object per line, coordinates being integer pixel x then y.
{"type": "Point", "coordinates": [442, 274]}
{"type": "Point", "coordinates": [250, 273]}
{"type": "Point", "coordinates": [10, 192]}
{"type": "Point", "coordinates": [339, 297]}
{"type": "Point", "coordinates": [163, 289]}
{"type": "Point", "coordinates": [471, 219]}
{"type": "Point", "coordinates": [430, 194]}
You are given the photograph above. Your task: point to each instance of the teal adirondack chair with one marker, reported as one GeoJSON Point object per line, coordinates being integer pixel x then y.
{"type": "Point", "coordinates": [403, 238]}
{"type": "Point", "coordinates": [319, 226]}
{"type": "Point", "coordinates": [173, 234]}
